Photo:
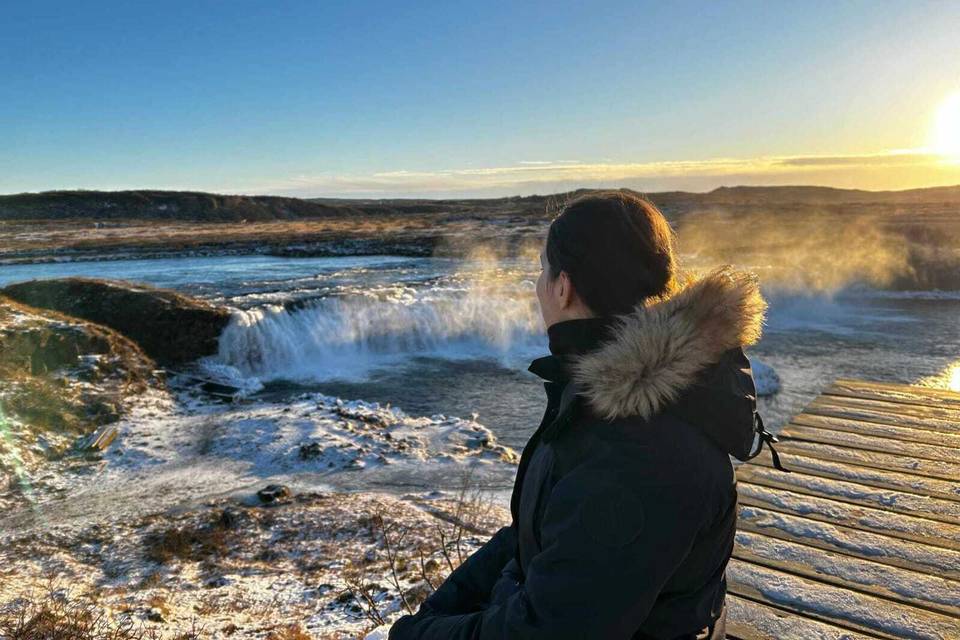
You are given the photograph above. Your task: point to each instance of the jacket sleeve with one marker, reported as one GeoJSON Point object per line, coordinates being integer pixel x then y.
{"type": "Point", "coordinates": [468, 587]}
{"type": "Point", "coordinates": [608, 547]}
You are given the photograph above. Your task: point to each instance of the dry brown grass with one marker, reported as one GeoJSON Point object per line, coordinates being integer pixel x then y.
{"type": "Point", "coordinates": [414, 562]}
{"type": "Point", "coordinates": [80, 234]}
{"type": "Point", "coordinates": [188, 543]}
{"type": "Point", "coordinates": [53, 617]}
{"type": "Point", "coordinates": [289, 632]}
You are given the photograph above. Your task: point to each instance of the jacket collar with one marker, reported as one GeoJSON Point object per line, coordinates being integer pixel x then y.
{"type": "Point", "coordinates": [642, 360]}
{"type": "Point", "coordinates": [567, 339]}
{"type": "Point", "coordinates": [579, 334]}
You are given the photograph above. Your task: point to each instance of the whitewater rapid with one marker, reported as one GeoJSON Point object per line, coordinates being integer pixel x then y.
{"type": "Point", "coordinates": [346, 337]}
{"type": "Point", "coordinates": [342, 337]}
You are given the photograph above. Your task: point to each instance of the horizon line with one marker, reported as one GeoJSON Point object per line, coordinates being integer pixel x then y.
{"type": "Point", "coordinates": [498, 197]}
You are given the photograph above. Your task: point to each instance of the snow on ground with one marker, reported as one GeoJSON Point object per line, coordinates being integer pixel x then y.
{"type": "Point", "coordinates": [765, 378]}
{"type": "Point", "coordinates": [330, 565]}
{"type": "Point", "coordinates": [165, 528]}
{"type": "Point", "coordinates": [177, 448]}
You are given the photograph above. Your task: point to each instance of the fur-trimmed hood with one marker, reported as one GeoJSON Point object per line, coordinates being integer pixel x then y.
{"type": "Point", "coordinates": [661, 347]}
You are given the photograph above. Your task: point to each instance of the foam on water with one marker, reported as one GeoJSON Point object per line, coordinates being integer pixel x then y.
{"type": "Point", "coordinates": [346, 336]}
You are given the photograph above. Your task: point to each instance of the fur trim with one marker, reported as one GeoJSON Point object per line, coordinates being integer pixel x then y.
{"type": "Point", "coordinates": [658, 348]}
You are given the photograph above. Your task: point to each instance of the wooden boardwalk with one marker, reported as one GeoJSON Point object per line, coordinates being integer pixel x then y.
{"type": "Point", "coordinates": [862, 539]}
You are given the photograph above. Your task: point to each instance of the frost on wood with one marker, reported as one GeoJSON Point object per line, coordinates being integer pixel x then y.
{"type": "Point", "coordinates": [880, 548]}
{"type": "Point", "coordinates": [748, 619]}
{"type": "Point", "coordinates": [829, 603]}
{"type": "Point", "coordinates": [888, 499]}
{"type": "Point", "coordinates": [908, 482]}
{"type": "Point", "coordinates": [878, 578]}
{"type": "Point", "coordinates": [908, 527]}
{"type": "Point", "coordinates": [879, 460]}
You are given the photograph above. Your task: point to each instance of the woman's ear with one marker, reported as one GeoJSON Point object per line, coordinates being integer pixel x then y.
{"type": "Point", "coordinates": [565, 292]}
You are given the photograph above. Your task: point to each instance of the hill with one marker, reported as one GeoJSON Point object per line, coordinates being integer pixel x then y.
{"type": "Point", "coordinates": [209, 207]}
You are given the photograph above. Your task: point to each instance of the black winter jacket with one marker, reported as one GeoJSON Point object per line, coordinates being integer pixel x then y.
{"type": "Point", "coordinates": [624, 507]}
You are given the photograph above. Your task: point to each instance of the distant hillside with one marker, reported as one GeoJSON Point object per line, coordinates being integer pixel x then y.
{"type": "Point", "coordinates": [207, 207]}
{"type": "Point", "coordinates": [825, 195]}
{"type": "Point", "coordinates": [721, 195]}
{"type": "Point", "coordinates": [157, 205]}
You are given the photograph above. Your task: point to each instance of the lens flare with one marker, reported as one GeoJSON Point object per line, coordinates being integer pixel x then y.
{"type": "Point", "coordinates": [946, 132]}
{"type": "Point", "coordinates": [948, 379]}
{"type": "Point", "coordinates": [12, 458]}
{"type": "Point", "coordinates": [953, 379]}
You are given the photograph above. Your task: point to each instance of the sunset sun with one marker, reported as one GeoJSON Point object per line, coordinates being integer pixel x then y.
{"type": "Point", "coordinates": [946, 133]}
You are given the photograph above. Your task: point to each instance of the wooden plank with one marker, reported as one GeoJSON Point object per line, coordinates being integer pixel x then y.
{"type": "Point", "coordinates": [875, 459]}
{"type": "Point", "coordinates": [896, 525]}
{"type": "Point", "coordinates": [99, 440]}
{"type": "Point", "coordinates": [835, 605]}
{"type": "Point", "coordinates": [907, 391]}
{"type": "Point", "coordinates": [751, 620]}
{"type": "Point", "coordinates": [869, 443]}
{"type": "Point", "coordinates": [931, 408]}
{"type": "Point", "coordinates": [853, 492]}
{"type": "Point", "coordinates": [933, 417]}
{"type": "Point", "coordinates": [864, 535]}
{"type": "Point", "coordinates": [873, 578]}
{"type": "Point", "coordinates": [881, 478]}
{"type": "Point", "coordinates": [881, 429]}
{"type": "Point", "coordinates": [901, 393]}
{"type": "Point", "coordinates": [850, 541]}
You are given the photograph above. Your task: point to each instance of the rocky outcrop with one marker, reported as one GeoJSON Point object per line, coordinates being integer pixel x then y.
{"type": "Point", "coordinates": [168, 326]}
{"type": "Point", "coordinates": [61, 378]}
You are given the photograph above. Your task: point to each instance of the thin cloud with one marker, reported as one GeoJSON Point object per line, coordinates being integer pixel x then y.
{"type": "Point", "coordinates": [893, 159]}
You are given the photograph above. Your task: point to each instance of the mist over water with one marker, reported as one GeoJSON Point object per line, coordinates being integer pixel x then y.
{"type": "Point", "coordinates": [397, 342]}
{"type": "Point", "coordinates": [826, 253]}
{"type": "Point", "coordinates": [441, 337]}
{"type": "Point", "coordinates": [815, 254]}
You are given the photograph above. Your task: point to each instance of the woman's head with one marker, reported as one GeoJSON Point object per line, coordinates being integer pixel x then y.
{"type": "Point", "coordinates": [604, 253]}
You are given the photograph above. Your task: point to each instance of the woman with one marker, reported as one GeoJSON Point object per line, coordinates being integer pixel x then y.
{"type": "Point", "coordinates": [624, 507]}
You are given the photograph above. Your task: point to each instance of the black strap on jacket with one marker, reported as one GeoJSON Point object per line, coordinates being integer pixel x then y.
{"type": "Point", "coordinates": [769, 439]}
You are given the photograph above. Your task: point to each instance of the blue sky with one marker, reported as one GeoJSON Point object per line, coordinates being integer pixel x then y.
{"type": "Point", "coordinates": [449, 98]}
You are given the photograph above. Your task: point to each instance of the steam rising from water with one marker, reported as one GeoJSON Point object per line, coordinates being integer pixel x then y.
{"type": "Point", "coordinates": [487, 307]}
{"type": "Point", "coordinates": [812, 253]}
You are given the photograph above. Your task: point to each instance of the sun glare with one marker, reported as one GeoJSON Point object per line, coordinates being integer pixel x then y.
{"type": "Point", "coordinates": [953, 382]}
{"type": "Point", "coordinates": [948, 379]}
{"type": "Point", "coordinates": [946, 136]}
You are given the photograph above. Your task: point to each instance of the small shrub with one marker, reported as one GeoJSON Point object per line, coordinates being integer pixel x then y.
{"type": "Point", "coordinates": [186, 543]}
{"type": "Point", "coordinates": [290, 632]}
{"type": "Point", "coordinates": [53, 617]}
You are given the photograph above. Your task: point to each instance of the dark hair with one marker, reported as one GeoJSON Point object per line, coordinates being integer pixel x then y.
{"type": "Point", "coordinates": [617, 248]}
